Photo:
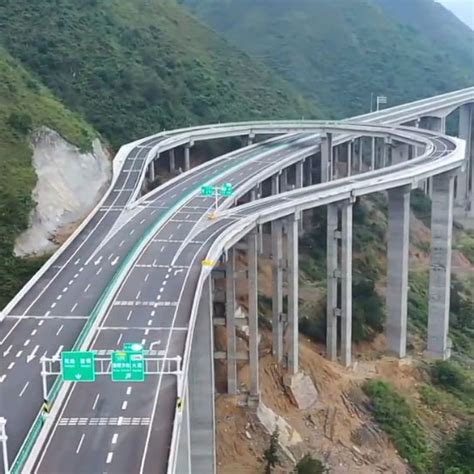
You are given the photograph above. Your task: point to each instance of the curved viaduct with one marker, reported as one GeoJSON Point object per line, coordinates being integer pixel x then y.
{"type": "Point", "coordinates": [138, 270]}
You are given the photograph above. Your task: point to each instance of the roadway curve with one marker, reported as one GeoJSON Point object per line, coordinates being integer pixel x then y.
{"type": "Point", "coordinates": [51, 312]}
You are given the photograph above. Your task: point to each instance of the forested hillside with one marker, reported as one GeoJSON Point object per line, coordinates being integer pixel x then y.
{"type": "Point", "coordinates": [338, 52]}
{"type": "Point", "coordinates": [134, 67]}
{"type": "Point", "coordinates": [24, 106]}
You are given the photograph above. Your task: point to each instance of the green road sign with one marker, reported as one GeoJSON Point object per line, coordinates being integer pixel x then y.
{"type": "Point", "coordinates": [227, 190]}
{"type": "Point", "coordinates": [207, 190]}
{"type": "Point", "coordinates": [133, 347]}
{"type": "Point", "coordinates": [78, 366]}
{"type": "Point", "coordinates": [128, 366]}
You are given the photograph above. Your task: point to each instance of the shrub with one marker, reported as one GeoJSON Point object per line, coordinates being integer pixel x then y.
{"type": "Point", "coordinates": [457, 457]}
{"type": "Point", "coordinates": [400, 422]}
{"type": "Point", "coordinates": [20, 122]}
{"type": "Point", "coordinates": [309, 465]}
{"type": "Point", "coordinates": [271, 455]}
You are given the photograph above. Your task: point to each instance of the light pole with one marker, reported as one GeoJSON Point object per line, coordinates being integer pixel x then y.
{"type": "Point", "coordinates": [3, 439]}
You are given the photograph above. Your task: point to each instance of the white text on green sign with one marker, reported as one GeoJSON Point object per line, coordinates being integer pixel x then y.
{"type": "Point", "coordinates": [78, 366]}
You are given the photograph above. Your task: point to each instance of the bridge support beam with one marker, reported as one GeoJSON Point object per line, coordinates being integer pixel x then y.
{"type": "Point", "coordinates": [230, 309]}
{"type": "Point", "coordinates": [172, 161]}
{"type": "Point", "coordinates": [293, 287]}
{"type": "Point", "coordinates": [187, 157]}
{"type": "Point", "coordinates": [250, 139]}
{"type": "Point", "coordinates": [253, 312]}
{"type": "Point", "coordinates": [326, 157]}
{"type": "Point", "coordinates": [397, 279]}
{"type": "Point", "coordinates": [277, 296]}
{"type": "Point", "coordinates": [339, 275]}
{"type": "Point", "coordinates": [440, 269]}
{"type": "Point", "coordinates": [151, 171]}
{"type": "Point", "coordinates": [466, 113]}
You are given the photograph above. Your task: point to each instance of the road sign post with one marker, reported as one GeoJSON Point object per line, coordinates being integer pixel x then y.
{"type": "Point", "coordinates": [225, 190]}
{"type": "Point", "coordinates": [3, 439]}
{"type": "Point", "coordinates": [78, 366]}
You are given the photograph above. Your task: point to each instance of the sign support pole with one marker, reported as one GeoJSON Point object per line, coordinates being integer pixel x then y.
{"type": "Point", "coordinates": [44, 375]}
{"type": "Point", "coordinates": [3, 439]}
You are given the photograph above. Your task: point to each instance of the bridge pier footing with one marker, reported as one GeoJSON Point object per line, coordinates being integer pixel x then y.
{"type": "Point", "coordinates": [440, 268]}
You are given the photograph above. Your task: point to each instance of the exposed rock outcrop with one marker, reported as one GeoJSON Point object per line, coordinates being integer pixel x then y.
{"type": "Point", "coordinates": [69, 185]}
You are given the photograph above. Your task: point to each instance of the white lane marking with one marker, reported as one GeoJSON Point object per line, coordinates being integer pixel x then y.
{"type": "Point", "coordinates": [10, 366]}
{"type": "Point", "coordinates": [32, 355]}
{"type": "Point", "coordinates": [87, 288]}
{"type": "Point", "coordinates": [65, 289]}
{"type": "Point", "coordinates": [53, 305]}
{"type": "Point", "coordinates": [162, 289]}
{"type": "Point", "coordinates": [138, 295]}
{"type": "Point", "coordinates": [170, 237]}
{"type": "Point", "coordinates": [34, 332]}
{"type": "Point", "coordinates": [18, 354]}
{"type": "Point", "coordinates": [150, 322]}
{"type": "Point", "coordinates": [119, 339]}
{"type": "Point", "coordinates": [95, 401]}
{"type": "Point", "coordinates": [124, 405]}
{"type": "Point", "coordinates": [76, 275]}
{"type": "Point", "coordinates": [153, 313]}
{"type": "Point", "coordinates": [132, 231]}
{"type": "Point", "coordinates": [58, 352]}
{"type": "Point", "coordinates": [129, 390]}
{"type": "Point", "coordinates": [5, 353]}
{"type": "Point", "coordinates": [179, 226]}
{"type": "Point", "coordinates": [41, 322]}
{"type": "Point", "coordinates": [162, 248]}
{"type": "Point", "coordinates": [59, 330]}
{"type": "Point", "coordinates": [74, 307]}
{"type": "Point", "coordinates": [110, 256]}
{"type": "Point", "coordinates": [129, 315]}
{"type": "Point", "coordinates": [26, 342]}
{"type": "Point", "coordinates": [98, 261]}
{"type": "Point", "coordinates": [167, 276]}
{"type": "Point", "coordinates": [80, 443]}
{"type": "Point", "coordinates": [23, 389]}
{"type": "Point", "coordinates": [2, 378]}
{"type": "Point", "coordinates": [121, 243]}
{"type": "Point", "coordinates": [146, 277]}
{"type": "Point", "coordinates": [109, 457]}
{"type": "Point", "coordinates": [114, 438]}
{"type": "Point", "coordinates": [77, 261]}
{"type": "Point", "coordinates": [114, 261]}
{"type": "Point", "coordinates": [71, 282]}
{"type": "Point", "coordinates": [82, 268]}
{"type": "Point", "coordinates": [142, 221]}
{"type": "Point", "coordinates": [59, 297]}
{"type": "Point", "coordinates": [98, 271]}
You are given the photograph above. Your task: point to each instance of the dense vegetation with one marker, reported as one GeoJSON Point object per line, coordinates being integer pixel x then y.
{"type": "Point", "coordinates": [24, 106]}
{"type": "Point", "coordinates": [400, 421]}
{"type": "Point", "coordinates": [338, 52]}
{"type": "Point", "coordinates": [133, 67]}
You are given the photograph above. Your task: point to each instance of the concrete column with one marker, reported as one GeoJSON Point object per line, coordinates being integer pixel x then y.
{"type": "Point", "coordinates": [293, 274]}
{"type": "Point", "coordinates": [308, 178]}
{"type": "Point", "coordinates": [253, 312]}
{"type": "Point", "coordinates": [277, 297]}
{"type": "Point", "coordinates": [230, 308]}
{"type": "Point", "coordinates": [250, 139]}
{"type": "Point", "coordinates": [335, 162]}
{"type": "Point", "coordinates": [326, 157]}
{"type": "Point", "coordinates": [187, 157]}
{"type": "Point", "coordinates": [384, 153]}
{"type": "Point", "coordinates": [349, 157]}
{"type": "Point", "coordinates": [299, 174]}
{"type": "Point", "coordinates": [465, 133]}
{"type": "Point", "coordinates": [440, 269]}
{"type": "Point", "coordinates": [332, 281]}
{"type": "Point", "coordinates": [346, 285]}
{"type": "Point", "coordinates": [397, 267]}
{"type": "Point", "coordinates": [275, 184]}
{"type": "Point", "coordinates": [372, 156]}
{"type": "Point", "coordinates": [151, 171]}
{"type": "Point", "coordinates": [400, 153]}
{"type": "Point", "coordinates": [361, 153]}
{"type": "Point", "coordinates": [284, 180]}
{"type": "Point", "coordinates": [172, 162]}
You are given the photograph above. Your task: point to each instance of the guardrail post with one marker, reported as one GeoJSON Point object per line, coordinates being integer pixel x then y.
{"type": "Point", "coordinates": [346, 284]}
{"type": "Point", "coordinates": [230, 324]}
{"type": "Point", "coordinates": [397, 267]}
{"type": "Point", "coordinates": [293, 274]}
{"type": "Point", "coordinates": [277, 297]}
{"type": "Point", "coordinates": [253, 312]}
{"type": "Point", "coordinates": [332, 281]}
{"type": "Point", "coordinates": [440, 269]}
{"type": "Point", "coordinates": [3, 440]}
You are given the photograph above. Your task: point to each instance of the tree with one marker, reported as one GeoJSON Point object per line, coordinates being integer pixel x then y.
{"type": "Point", "coordinates": [271, 453]}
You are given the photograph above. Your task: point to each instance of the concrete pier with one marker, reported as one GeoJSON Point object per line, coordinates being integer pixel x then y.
{"type": "Point", "coordinates": [346, 285]}
{"type": "Point", "coordinates": [465, 133]}
{"type": "Point", "coordinates": [230, 308]}
{"type": "Point", "coordinates": [293, 286]}
{"type": "Point", "coordinates": [172, 161]}
{"type": "Point", "coordinates": [397, 267]}
{"type": "Point", "coordinates": [187, 157]}
{"type": "Point", "coordinates": [277, 294]}
{"type": "Point", "coordinates": [151, 171]}
{"type": "Point", "coordinates": [372, 155]}
{"type": "Point", "coordinates": [275, 184]}
{"type": "Point", "coordinates": [326, 157]}
{"type": "Point", "coordinates": [253, 312]}
{"type": "Point", "coordinates": [440, 269]}
{"type": "Point", "coordinates": [332, 311]}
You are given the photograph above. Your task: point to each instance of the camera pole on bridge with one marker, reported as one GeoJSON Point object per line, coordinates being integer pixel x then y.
{"type": "Point", "coordinates": [3, 439]}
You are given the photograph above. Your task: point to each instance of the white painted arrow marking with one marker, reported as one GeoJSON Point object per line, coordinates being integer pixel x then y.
{"type": "Point", "coordinates": [5, 353]}
{"type": "Point", "coordinates": [32, 355]}
{"type": "Point", "coordinates": [98, 261]}
{"type": "Point", "coordinates": [114, 261]}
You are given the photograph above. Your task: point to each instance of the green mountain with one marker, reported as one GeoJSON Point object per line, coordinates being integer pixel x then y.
{"type": "Point", "coordinates": [338, 52]}
{"type": "Point", "coordinates": [24, 106]}
{"type": "Point", "coordinates": [134, 67]}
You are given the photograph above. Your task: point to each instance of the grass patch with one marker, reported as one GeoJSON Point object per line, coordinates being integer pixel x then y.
{"type": "Point", "coordinates": [399, 420]}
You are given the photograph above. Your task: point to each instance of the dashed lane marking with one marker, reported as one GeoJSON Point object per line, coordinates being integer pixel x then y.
{"type": "Point", "coordinates": [106, 421]}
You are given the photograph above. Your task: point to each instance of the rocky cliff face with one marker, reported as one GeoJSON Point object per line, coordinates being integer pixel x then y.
{"type": "Point", "coordinates": [70, 183]}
